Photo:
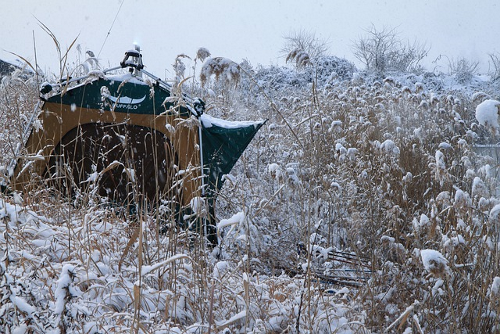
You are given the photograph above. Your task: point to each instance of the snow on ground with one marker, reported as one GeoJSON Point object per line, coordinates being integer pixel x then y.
{"type": "Point", "coordinates": [65, 275]}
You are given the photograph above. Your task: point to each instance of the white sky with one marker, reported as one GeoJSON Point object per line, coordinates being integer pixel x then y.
{"type": "Point", "coordinates": [239, 30]}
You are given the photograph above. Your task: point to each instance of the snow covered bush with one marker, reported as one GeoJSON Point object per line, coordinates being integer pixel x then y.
{"type": "Point", "coordinates": [463, 69]}
{"type": "Point", "coordinates": [330, 68]}
{"type": "Point", "coordinates": [487, 115]}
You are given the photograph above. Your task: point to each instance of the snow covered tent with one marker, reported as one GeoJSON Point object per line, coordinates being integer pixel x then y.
{"type": "Point", "coordinates": [130, 139]}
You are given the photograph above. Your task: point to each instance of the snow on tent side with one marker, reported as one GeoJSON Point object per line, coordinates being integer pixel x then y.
{"type": "Point", "coordinates": [222, 143]}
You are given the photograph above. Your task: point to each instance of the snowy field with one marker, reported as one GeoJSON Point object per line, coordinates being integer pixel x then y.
{"type": "Point", "coordinates": [365, 204]}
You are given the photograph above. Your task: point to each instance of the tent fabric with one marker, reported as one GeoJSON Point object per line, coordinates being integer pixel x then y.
{"type": "Point", "coordinates": [127, 163]}
{"type": "Point", "coordinates": [112, 100]}
{"type": "Point", "coordinates": [124, 93]}
{"type": "Point", "coordinates": [222, 146]}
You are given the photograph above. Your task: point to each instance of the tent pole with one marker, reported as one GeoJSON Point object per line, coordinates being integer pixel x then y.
{"type": "Point", "coordinates": [201, 160]}
{"type": "Point", "coordinates": [167, 86]}
{"type": "Point", "coordinates": [202, 164]}
{"type": "Point", "coordinates": [200, 138]}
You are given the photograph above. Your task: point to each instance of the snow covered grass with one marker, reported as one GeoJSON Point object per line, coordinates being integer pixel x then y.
{"type": "Point", "coordinates": [75, 272]}
{"type": "Point", "coordinates": [372, 181]}
{"type": "Point", "coordinates": [18, 99]}
{"type": "Point", "coordinates": [362, 162]}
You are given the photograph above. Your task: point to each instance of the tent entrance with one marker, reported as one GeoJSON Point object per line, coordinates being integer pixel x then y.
{"type": "Point", "coordinates": [127, 163]}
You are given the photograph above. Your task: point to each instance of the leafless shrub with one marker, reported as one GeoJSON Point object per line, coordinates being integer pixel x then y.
{"type": "Point", "coordinates": [494, 66]}
{"type": "Point", "coordinates": [383, 50]}
{"type": "Point", "coordinates": [463, 69]}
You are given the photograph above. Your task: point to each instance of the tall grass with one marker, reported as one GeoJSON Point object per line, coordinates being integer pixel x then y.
{"type": "Point", "coordinates": [367, 162]}
{"type": "Point", "coordinates": [379, 170]}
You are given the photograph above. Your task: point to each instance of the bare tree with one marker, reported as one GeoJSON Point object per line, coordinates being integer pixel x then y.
{"type": "Point", "coordinates": [304, 43]}
{"type": "Point", "coordinates": [383, 50]}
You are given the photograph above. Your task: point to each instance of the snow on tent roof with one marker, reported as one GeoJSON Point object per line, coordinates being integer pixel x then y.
{"type": "Point", "coordinates": [209, 121]}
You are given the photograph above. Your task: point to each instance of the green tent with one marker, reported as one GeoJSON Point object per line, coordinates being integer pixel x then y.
{"type": "Point", "coordinates": [128, 136]}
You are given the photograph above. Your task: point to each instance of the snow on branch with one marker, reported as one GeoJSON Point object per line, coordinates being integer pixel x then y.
{"type": "Point", "coordinates": [223, 69]}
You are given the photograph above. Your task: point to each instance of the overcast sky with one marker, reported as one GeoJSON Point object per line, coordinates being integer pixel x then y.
{"type": "Point", "coordinates": [252, 30]}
